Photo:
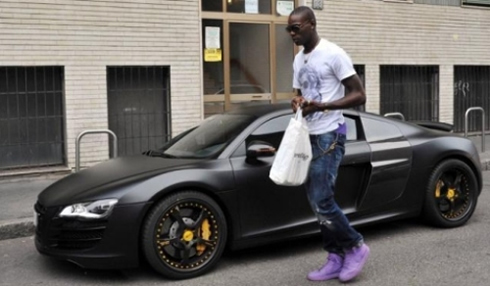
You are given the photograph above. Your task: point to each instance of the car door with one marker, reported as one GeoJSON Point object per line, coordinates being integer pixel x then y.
{"type": "Point", "coordinates": [355, 168]}
{"type": "Point", "coordinates": [266, 208]}
{"type": "Point", "coordinates": [391, 161]}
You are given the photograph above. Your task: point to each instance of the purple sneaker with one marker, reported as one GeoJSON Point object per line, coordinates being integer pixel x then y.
{"type": "Point", "coordinates": [353, 262]}
{"type": "Point", "coordinates": [329, 270]}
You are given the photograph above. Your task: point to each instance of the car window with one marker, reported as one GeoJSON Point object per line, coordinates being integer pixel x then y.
{"type": "Point", "coordinates": [270, 131]}
{"type": "Point", "coordinates": [378, 130]}
{"type": "Point", "coordinates": [209, 138]}
{"type": "Point", "coordinates": [351, 129]}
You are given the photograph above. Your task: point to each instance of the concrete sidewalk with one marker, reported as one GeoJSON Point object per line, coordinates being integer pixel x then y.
{"type": "Point", "coordinates": [19, 194]}
{"type": "Point", "coordinates": [17, 198]}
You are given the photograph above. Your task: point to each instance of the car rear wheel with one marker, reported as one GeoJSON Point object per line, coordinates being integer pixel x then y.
{"type": "Point", "coordinates": [451, 195]}
{"type": "Point", "coordinates": [184, 235]}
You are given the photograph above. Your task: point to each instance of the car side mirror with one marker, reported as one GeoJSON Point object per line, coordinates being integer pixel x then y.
{"type": "Point", "coordinates": [257, 149]}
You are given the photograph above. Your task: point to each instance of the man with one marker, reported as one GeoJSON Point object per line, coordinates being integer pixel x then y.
{"type": "Point", "coordinates": [322, 73]}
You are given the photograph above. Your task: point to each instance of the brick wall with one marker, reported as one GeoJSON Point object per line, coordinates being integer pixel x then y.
{"type": "Point", "coordinates": [86, 36]}
{"type": "Point", "coordinates": [376, 32]}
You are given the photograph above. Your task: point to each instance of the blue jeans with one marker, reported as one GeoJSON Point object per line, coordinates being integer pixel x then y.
{"type": "Point", "coordinates": [328, 150]}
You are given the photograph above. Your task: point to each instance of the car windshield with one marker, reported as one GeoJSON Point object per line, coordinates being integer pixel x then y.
{"type": "Point", "coordinates": [208, 139]}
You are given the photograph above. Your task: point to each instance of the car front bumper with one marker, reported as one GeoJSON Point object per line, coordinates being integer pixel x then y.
{"type": "Point", "coordinates": [97, 244]}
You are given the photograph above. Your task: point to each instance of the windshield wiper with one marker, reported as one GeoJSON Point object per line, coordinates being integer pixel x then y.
{"type": "Point", "coordinates": [156, 153]}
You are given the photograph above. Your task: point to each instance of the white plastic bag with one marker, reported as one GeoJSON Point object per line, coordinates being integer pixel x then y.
{"type": "Point", "coordinates": [292, 161]}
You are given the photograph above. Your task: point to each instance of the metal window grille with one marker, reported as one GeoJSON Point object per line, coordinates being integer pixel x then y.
{"type": "Point", "coordinates": [471, 89]}
{"type": "Point", "coordinates": [31, 117]}
{"type": "Point", "coordinates": [439, 2]}
{"type": "Point", "coordinates": [410, 90]}
{"type": "Point", "coordinates": [476, 3]}
{"type": "Point", "coordinates": [139, 107]}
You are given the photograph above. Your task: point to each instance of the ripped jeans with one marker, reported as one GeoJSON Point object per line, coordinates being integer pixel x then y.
{"type": "Point", "coordinates": [328, 150]}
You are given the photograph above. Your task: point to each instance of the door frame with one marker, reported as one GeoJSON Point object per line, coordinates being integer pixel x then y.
{"type": "Point", "coordinates": [228, 18]}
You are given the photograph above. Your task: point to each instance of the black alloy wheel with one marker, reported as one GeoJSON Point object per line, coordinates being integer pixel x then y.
{"type": "Point", "coordinates": [184, 235]}
{"type": "Point", "coordinates": [451, 195]}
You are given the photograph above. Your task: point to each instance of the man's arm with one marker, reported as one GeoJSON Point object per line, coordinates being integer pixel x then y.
{"type": "Point", "coordinates": [355, 96]}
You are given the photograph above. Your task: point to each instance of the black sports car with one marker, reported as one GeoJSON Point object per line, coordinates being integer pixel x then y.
{"type": "Point", "coordinates": [208, 188]}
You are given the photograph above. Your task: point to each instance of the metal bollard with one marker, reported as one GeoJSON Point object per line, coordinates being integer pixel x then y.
{"type": "Point", "coordinates": [94, 131]}
{"type": "Point", "coordinates": [482, 124]}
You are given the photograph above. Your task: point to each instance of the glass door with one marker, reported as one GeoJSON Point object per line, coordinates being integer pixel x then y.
{"type": "Point", "coordinates": [247, 55]}
{"type": "Point", "coordinates": [284, 51]}
{"type": "Point", "coordinates": [249, 64]}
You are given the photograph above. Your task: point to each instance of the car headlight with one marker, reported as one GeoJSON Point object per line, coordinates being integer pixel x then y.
{"type": "Point", "coordinates": [93, 210]}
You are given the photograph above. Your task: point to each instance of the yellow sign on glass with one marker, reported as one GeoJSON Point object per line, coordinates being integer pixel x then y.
{"type": "Point", "coordinates": [212, 55]}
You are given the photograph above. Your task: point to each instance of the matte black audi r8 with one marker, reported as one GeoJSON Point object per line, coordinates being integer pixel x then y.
{"type": "Point", "coordinates": [208, 188]}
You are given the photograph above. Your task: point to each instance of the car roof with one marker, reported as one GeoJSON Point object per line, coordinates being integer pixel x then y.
{"type": "Point", "coordinates": [269, 109]}
{"type": "Point", "coordinates": [260, 110]}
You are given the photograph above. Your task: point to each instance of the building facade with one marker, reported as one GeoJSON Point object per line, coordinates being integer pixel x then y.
{"type": "Point", "coordinates": [149, 69]}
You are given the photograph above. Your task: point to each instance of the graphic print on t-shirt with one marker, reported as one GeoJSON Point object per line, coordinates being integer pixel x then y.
{"type": "Point", "coordinates": [310, 86]}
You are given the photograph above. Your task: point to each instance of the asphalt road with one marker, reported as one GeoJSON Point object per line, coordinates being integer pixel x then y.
{"type": "Point", "coordinates": [402, 253]}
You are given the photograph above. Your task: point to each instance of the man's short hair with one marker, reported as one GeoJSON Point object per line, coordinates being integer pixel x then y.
{"type": "Point", "coordinates": [306, 12]}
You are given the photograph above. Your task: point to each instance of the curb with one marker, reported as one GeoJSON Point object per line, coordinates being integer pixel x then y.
{"type": "Point", "coordinates": [16, 228]}
{"type": "Point", "coordinates": [485, 165]}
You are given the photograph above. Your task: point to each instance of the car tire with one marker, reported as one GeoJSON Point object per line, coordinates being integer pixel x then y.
{"type": "Point", "coordinates": [184, 235]}
{"type": "Point", "coordinates": [451, 194]}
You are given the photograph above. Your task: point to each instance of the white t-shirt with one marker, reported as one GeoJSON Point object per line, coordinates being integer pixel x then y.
{"type": "Point", "coordinates": [319, 75]}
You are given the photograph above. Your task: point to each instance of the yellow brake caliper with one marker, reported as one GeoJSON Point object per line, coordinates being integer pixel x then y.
{"type": "Point", "coordinates": [205, 234]}
{"type": "Point", "coordinates": [438, 188]}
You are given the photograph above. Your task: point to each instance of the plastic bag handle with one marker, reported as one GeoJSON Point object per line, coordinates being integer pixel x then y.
{"type": "Point", "coordinates": [299, 114]}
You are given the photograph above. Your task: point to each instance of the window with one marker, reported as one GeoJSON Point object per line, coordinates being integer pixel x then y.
{"type": "Point", "coordinates": [351, 125]}
{"type": "Point", "coordinates": [475, 3]}
{"type": "Point", "coordinates": [249, 60]}
{"type": "Point", "coordinates": [271, 131]}
{"type": "Point", "coordinates": [139, 107]}
{"type": "Point", "coordinates": [31, 117]}
{"type": "Point", "coordinates": [212, 5]}
{"type": "Point", "coordinates": [247, 55]}
{"type": "Point", "coordinates": [209, 138]}
{"type": "Point", "coordinates": [213, 73]}
{"type": "Point", "coordinates": [249, 7]}
{"type": "Point", "coordinates": [376, 130]}
{"type": "Point", "coordinates": [471, 89]}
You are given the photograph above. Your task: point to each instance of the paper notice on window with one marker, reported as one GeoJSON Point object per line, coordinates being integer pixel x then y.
{"type": "Point", "coordinates": [252, 6]}
{"type": "Point", "coordinates": [212, 55]}
{"type": "Point", "coordinates": [284, 8]}
{"type": "Point", "coordinates": [213, 38]}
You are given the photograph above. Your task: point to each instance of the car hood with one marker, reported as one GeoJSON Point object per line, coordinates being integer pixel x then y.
{"type": "Point", "coordinates": [93, 181]}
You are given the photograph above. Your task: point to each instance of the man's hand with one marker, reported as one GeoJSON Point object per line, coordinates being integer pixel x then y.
{"type": "Point", "coordinates": [311, 106]}
{"type": "Point", "coordinates": [296, 102]}
{"type": "Point", "coordinates": [307, 106]}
